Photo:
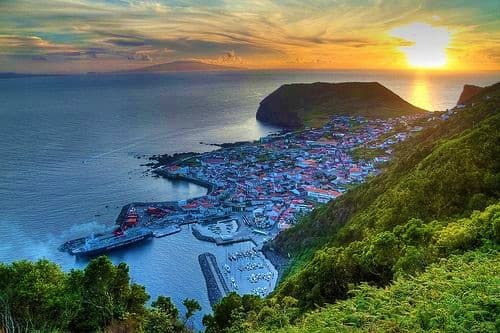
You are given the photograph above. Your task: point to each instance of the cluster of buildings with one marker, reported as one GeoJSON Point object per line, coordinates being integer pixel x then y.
{"type": "Point", "coordinates": [268, 184]}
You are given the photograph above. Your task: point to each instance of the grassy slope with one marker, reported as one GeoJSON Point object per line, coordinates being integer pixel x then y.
{"type": "Point", "coordinates": [460, 294]}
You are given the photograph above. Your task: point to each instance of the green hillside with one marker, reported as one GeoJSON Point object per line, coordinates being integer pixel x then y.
{"type": "Point", "coordinates": [438, 197]}
{"type": "Point", "coordinates": [448, 170]}
{"type": "Point", "coordinates": [296, 105]}
{"type": "Point", "coordinates": [460, 294]}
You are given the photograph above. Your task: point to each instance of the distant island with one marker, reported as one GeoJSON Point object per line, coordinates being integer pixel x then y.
{"type": "Point", "coordinates": [175, 66]}
{"type": "Point", "coordinates": [297, 105]}
{"type": "Point", "coordinates": [11, 75]}
{"type": "Point", "coordinates": [180, 66]}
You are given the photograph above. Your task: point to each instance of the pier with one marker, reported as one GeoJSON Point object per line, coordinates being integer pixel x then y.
{"type": "Point", "coordinates": [216, 285]}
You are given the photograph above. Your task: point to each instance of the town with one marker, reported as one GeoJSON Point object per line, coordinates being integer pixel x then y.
{"type": "Point", "coordinates": [265, 186]}
{"type": "Point", "coordinates": [255, 190]}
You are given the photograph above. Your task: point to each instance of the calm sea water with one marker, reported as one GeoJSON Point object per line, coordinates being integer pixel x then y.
{"type": "Point", "coordinates": [69, 148]}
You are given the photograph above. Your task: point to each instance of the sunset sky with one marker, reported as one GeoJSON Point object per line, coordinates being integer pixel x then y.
{"type": "Point", "coordinates": [90, 35]}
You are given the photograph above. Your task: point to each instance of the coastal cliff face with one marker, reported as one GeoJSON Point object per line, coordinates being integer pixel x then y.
{"type": "Point", "coordinates": [468, 93]}
{"type": "Point", "coordinates": [296, 105]}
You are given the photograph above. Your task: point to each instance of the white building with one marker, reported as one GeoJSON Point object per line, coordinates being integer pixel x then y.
{"type": "Point", "coordinates": [321, 195]}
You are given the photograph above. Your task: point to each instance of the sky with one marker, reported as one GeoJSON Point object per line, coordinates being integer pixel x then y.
{"type": "Point", "coordinates": [90, 35]}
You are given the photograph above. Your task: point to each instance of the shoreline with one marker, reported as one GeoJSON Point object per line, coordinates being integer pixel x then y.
{"type": "Point", "coordinates": [249, 183]}
{"type": "Point", "coordinates": [279, 262]}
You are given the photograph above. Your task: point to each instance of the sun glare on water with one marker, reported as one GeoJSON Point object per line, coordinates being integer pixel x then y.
{"type": "Point", "coordinates": [428, 44]}
{"type": "Point", "coordinates": [420, 95]}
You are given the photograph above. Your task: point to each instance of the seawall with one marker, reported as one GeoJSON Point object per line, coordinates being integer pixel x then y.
{"type": "Point", "coordinates": [209, 186]}
{"type": "Point", "coordinates": [216, 285]}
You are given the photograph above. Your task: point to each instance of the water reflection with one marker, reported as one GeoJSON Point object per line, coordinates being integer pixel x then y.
{"type": "Point", "coordinates": [420, 93]}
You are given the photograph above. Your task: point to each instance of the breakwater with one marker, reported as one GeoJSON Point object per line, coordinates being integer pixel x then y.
{"type": "Point", "coordinates": [209, 186]}
{"type": "Point", "coordinates": [216, 285]}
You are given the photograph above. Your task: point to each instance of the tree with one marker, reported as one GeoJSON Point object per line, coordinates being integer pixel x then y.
{"type": "Point", "coordinates": [165, 305]}
{"type": "Point", "coordinates": [158, 322]}
{"type": "Point", "coordinates": [164, 317]}
{"type": "Point", "coordinates": [192, 306]}
{"type": "Point", "coordinates": [225, 314]}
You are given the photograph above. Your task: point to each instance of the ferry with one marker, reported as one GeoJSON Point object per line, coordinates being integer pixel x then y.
{"type": "Point", "coordinates": [93, 246]}
{"type": "Point", "coordinates": [126, 234]}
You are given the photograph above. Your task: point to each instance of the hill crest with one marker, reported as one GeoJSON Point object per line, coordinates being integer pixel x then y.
{"type": "Point", "coordinates": [312, 104]}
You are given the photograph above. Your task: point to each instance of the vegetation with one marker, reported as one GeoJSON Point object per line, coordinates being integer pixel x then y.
{"type": "Point", "coordinates": [437, 199]}
{"type": "Point", "coordinates": [405, 250]}
{"type": "Point", "coordinates": [365, 153]}
{"type": "Point", "coordinates": [41, 297]}
{"type": "Point", "coordinates": [296, 105]}
{"type": "Point", "coordinates": [455, 295]}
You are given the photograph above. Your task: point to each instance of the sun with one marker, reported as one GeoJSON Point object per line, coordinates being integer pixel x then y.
{"type": "Point", "coordinates": [428, 44]}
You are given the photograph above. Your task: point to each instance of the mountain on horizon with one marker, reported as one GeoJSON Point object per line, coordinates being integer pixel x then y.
{"type": "Point", "coordinates": [180, 66]}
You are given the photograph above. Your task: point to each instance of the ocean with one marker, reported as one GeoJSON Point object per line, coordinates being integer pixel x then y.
{"type": "Point", "coordinates": [72, 148]}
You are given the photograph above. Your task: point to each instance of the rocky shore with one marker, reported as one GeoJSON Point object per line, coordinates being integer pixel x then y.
{"type": "Point", "coordinates": [277, 260]}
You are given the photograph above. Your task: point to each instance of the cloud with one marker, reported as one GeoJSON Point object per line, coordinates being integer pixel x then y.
{"type": "Point", "coordinates": [264, 33]}
{"type": "Point", "coordinates": [146, 57]}
{"type": "Point", "coordinates": [126, 42]}
{"type": "Point", "coordinates": [228, 58]}
{"type": "Point", "coordinates": [140, 57]}
{"type": "Point", "coordinates": [91, 54]}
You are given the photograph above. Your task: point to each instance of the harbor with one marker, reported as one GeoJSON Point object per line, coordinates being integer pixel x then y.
{"type": "Point", "coordinates": [254, 191]}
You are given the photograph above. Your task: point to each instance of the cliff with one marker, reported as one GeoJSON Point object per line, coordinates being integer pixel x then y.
{"type": "Point", "coordinates": [468, 93]}
{"type": "Point", "coordinates": [296, 105]}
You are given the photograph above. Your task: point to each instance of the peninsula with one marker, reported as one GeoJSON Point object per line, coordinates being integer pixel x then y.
{"type": "Point", "coordinates": [468, 93]}
{"type": "Point", "coordinates": [297, 105]}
